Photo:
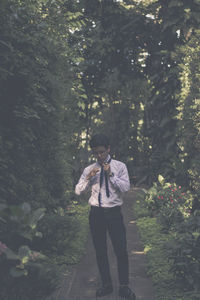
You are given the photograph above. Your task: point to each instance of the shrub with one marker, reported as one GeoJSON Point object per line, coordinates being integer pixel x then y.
{"type": "Point", "coordinates": [64, 233]}
{"type": "Point", "coordinates": [25, 272]}
{"type": "Point", "coordinates": [185, 254]}
{"type": "Point", "coordinates": [40, 279]}
{"type": "Point", "coordinates": [173, 257]}
{"type": "Point", "coordinates": [169, 203]}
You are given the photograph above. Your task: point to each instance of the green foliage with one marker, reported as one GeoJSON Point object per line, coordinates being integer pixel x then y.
{"type": "Point", "coordinates": [71, 68]}
{"type": "Point", "coordinates": [40, 279]}
{"type": "Point", "coordinates": [169, 203]}
{"type": "Point", "coordinates": [21, 223]}
{"type": "Point", "coordinates": [38, 108]}
{"type": "Point", "coordinates": [140, 207]}
{"type": "Point", "coordinates": [158, 262]}
{"type": "Point", "coordinates": [30, 273]}
{"type": "Point", "coordinates": [20, 220]}
{"type": "Point", "coordinates": [130, 71]}
{"type": "Point", "coordinates": [64, 234]}
{"type": "Point", "coordinates": [183, 250]}
{"type": "Point", "coordinates": [173, 257]}
{"type": "Point", "coordinates": [31, 110]}
{"type": "Point", "coordinates": [189, 124]}
{"type": "Point", "coordinates": [20, 265]}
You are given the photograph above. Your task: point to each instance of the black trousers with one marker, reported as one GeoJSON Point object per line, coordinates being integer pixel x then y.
{"type": "Point", "coordinates": [103, 220]}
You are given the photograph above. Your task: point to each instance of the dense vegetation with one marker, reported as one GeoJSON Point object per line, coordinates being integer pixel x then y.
{"type": "Point", "coordinates": [171, 237]}
{"type": "Point", "coordinates": [68, 69]}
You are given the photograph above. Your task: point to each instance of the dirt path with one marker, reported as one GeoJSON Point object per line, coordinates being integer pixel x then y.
{"type": "Point", "coordinates": [83, 279]}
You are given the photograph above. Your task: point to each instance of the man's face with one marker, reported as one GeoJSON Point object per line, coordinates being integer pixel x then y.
{"type": "Point", "coordinates": [101, 153]}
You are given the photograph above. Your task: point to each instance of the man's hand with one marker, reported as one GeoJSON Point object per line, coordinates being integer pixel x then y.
{"type": "Point", "coordinates": [106, 168]}
{"type": "Point", "coordinates": [92, 173]}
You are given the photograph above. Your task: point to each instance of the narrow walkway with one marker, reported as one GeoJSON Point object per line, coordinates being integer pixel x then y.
{"type": "Point", "coordinates": [82, 280]}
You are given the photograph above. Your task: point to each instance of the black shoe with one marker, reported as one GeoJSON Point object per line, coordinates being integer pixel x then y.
{"type": "Point", "coordinates": [104, 290]}
{"type": "Point", "coordinates": [126, 293]}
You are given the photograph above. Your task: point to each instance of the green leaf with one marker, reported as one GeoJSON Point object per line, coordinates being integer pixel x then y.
{"type": "Point", "coordinates": [26, 207]}
{"type": "Point", "coordinates": [36, 216]}
{"type": "Point", "coordinates": [161, 179]}
{"type": "Point", "coordinates": [24, 251]}
{"type": "Point", "coordinates": [10, 254]}
{"type": "Point", "coordinates": [175, 3]}
{"type": "Point", "coordinates": [39, 234]}
{"type": "Point", "coordinates": [18, 272]}
{"type": "Point", "coordinates": [27, 235]}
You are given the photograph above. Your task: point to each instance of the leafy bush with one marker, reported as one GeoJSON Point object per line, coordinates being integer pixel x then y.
{"type": "Point", "coordinates": [21, 223]}
{"type": "Point", "coordinates": [169, 203]}
{"type": "Point", "coordinates": [158, 264]}
{"type": "Point", "coordinates": [36, 130]}
{"type": "Point", "coordinates": [25, 273]}
{"type": "Point", "coordinates": [183, 250]}
{"type": "Point", "coordinates": [64, 234]}
{"type": "Point", "coordinates": [173, 257]}
{"type": "Point", "coordinates": [37, 243]}
{"type": "Point", "coordinates": [40, 279]}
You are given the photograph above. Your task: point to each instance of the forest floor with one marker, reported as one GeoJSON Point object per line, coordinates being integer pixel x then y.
{"type": "Point", "coordinates": [82, 280]}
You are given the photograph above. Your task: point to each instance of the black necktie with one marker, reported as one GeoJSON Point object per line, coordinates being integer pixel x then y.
{"type": "Point", "coordinates": [102, 174]}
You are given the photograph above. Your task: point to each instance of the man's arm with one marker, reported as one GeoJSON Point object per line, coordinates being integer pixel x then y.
{"type": "Point", "coordinates": [85, 180]}
{"type": "Point", "coordinates": [121, 180]}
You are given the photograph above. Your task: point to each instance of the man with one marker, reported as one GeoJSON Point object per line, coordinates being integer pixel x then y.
{"type": "Point", "coordinates": [108, 179]}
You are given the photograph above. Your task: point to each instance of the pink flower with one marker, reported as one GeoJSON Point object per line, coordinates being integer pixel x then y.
{"type": "Point", "coordinates": [34, 255]}
{"type": "Point", "coordinates": [161, 197]}
{"type": "Point", "coordinates": [172, 200]}
{"type": "Point", "coordinates": [179, 187]}
{"type": "Point", "coordinates": [3, 247]}
{"type": "Point", "coordinates": [158, 197]}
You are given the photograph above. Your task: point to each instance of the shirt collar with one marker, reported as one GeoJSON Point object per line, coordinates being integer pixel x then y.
{"type": "Point", "coordinates": [106, 160]}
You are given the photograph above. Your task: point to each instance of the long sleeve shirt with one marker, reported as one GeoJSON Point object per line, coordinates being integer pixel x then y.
{"type": "Point", "coordinates": [118, 184]}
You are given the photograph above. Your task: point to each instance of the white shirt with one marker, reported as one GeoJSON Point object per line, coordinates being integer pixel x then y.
{"type": "Point", "coordinates": [118, 184]}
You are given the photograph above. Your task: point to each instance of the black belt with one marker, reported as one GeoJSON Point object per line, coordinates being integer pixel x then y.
{"type": "Point", "coordinates": [117, 207]}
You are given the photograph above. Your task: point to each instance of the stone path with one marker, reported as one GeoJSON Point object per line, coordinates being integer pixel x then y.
{"type": "Point", "coordinates": [81, 281]}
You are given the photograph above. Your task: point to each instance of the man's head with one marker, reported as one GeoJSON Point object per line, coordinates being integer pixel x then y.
{"type": "Point", "coordinates": [100, 146]}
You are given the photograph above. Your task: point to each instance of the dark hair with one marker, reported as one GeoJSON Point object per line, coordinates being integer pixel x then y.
{"type": "Point", "coordinates": [99, 140]}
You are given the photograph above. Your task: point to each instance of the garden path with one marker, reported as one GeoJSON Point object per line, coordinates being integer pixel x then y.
{"type": "Point", "coordinates": [81, 281]}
